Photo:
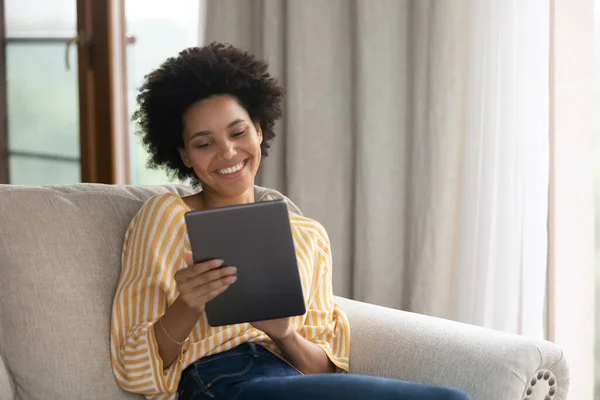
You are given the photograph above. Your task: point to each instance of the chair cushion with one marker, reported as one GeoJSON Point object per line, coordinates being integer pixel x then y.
{"type": "Point", "coordinates": [60, 249]}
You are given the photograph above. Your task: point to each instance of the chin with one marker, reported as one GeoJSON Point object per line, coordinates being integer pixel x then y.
{"type": "Point", "coordinates": [233, 189]}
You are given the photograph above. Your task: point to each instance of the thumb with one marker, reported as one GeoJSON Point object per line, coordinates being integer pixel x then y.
{"type": "Point", "coordinates": [187, 256]}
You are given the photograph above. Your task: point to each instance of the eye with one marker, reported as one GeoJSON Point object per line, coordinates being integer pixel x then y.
{"type": "Point", "coordinates": [203, 145]}
{"type": "Point", "coordinates": [239, 133]}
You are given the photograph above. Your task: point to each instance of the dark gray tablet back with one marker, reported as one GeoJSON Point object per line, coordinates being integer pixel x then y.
{"type": "Point", "coordinates": [257, 239]}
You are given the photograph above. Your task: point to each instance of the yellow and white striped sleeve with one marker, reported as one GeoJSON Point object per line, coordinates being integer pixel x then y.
{"type": "Point", "coordinates": [326, 324]}
{"type": "Point", "coordinates": [152, 253]}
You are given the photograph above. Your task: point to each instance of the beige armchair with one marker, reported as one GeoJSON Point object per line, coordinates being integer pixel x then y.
{"type": "Point", "coordinates": [60, 253]}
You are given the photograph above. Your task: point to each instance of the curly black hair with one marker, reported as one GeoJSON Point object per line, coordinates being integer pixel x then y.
{"type": "Point", "coordinates": [195, 74]}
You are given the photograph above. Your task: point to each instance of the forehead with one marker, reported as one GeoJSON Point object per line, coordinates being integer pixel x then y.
{"type": "Point", "coordinates": [213, 114]}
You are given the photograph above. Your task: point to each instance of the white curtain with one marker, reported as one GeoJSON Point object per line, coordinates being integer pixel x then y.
{"type": "Point", "coordinates": [416, 131]}
{"type": "Point", "coordinates": [500, 278]}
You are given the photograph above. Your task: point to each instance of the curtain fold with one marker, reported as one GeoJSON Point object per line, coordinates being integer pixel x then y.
{"type": "Point", "coordinates": [501, 275]}
{"type": "Point", "coordinates": [416, 132]}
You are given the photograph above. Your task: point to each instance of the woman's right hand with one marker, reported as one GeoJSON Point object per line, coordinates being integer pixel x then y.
{"type": "Point", "coordinates": [200, 283]}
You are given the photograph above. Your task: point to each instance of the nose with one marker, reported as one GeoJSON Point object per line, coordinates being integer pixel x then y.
{"type": "Point", "coordinates": [228, 150]}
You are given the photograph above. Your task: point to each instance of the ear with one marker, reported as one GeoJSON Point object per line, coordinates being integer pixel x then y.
{"type": "Point", "coordinates": [184, 157]}
{"type": "Point", "coordinates": [258, 132]}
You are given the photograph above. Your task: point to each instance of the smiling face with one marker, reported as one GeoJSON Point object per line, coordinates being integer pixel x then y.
{"type": "Point", "coordinates": [222, 146]}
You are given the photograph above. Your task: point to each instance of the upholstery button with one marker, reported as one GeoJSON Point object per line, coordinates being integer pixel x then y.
{"type": "Point", "coordinates": [533, 381]}
{"type": "Point", "coordinates": [547, 375]}
{"type": "Point", "coordinates": [540, 375]}
{"type": "Point", "coordinates": [551, 381]}
{"type": "Point", "coordinates": [547, 398]}
{"type": "Point", "coordinates": [552, 391]}
{"type": "Point", "coordinates": [529, 391]}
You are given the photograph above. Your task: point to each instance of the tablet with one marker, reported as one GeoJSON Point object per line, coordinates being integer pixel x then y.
{"type": "Point", "coordinates": [257, 239]}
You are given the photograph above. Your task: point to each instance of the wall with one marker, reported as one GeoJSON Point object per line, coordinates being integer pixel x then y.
{"type": "Point", "coordinates": [572, 190]}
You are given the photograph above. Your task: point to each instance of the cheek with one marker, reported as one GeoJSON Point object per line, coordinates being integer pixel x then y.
{"type": "Point", "coordinates": [256, 146]}
{"type": "Point", "coordinates": [200, 161]}
{"type": "Point", "coordinates": [257, 158]}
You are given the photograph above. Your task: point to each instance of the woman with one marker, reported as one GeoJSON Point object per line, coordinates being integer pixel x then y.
{"type": "Point", "coordinates": [207, 116]}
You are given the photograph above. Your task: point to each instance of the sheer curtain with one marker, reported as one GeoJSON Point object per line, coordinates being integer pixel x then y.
{"type": "Point", "coordinates": [500, 275]}
{"type": "Point", "coordinates": [416, 131]}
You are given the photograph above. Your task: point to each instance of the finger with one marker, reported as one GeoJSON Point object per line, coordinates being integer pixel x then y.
{"type": "Point", "coordinates": [200, 268]}
{"type": "Point", "coordinates": [214, 285]}
{"type": "Point", "coordinates": [197, 269]}
{"type": "Point", "coordinates": [212, 278]}
{"type": "Point", "coordinates": [208, 291]}
{"type": "Point", "coordinates": [211, 275]}
{"type": "Point", "coordinates": [203, 290]}
{"type": "Point", "coordinates": [188, 257]}
{"type": "Point", "coordinates": [211, 295]}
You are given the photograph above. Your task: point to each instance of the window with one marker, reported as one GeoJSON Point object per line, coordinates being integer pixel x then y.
{"type": "Point", "coordinates": [160, 30]}
{"type": "Point", "coordinates": [68, 125]}
{"type": "Point", "coordinates": [42, 94]}
{"type": "Point", "coordinates": [62, 113]}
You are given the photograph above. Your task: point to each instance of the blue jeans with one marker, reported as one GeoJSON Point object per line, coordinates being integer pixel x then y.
{"type": "Point", "coordinates": [249, 371]}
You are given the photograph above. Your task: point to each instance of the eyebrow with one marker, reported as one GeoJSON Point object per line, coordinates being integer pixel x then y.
{"type": "Point", "coordinates": [204, 133]}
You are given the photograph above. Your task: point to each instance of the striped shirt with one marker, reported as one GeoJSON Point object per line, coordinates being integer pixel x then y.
{"type": "Point", "coordinates": [153, 252]}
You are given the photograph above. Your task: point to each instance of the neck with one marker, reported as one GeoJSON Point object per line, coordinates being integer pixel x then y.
{"type": "Point", "coordinates": [211, 199]}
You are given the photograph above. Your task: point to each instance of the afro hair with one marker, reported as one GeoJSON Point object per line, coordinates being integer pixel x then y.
{"type": "Point", "coordinates": [196, 74]}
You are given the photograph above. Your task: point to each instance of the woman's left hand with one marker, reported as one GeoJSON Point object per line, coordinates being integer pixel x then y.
{"type": "Point", "coordinates": [276, 329]}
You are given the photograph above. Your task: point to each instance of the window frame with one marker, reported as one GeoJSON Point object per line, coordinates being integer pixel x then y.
{"type": "Point", "coordinates": [4, 171]}
{"type": "Point", "coordinates": [102, 91]}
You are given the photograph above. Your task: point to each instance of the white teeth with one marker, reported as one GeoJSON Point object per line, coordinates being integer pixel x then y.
{"type": "Point", "coordinates": [231, 170]}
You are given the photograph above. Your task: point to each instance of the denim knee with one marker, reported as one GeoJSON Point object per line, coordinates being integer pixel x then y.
{"type": "Point", "coordinates": [454, 394]}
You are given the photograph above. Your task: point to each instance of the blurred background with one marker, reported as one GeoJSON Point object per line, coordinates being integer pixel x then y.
{"type": "Point", "coordinates": [447, 146]}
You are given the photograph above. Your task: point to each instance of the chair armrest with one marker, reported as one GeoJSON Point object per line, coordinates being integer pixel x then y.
{"type": "Point", "coordinates": [487, 364]}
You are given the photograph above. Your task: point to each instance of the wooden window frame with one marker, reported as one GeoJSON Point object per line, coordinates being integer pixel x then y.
{"type": "Point", "coordinates": [103, 91]}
